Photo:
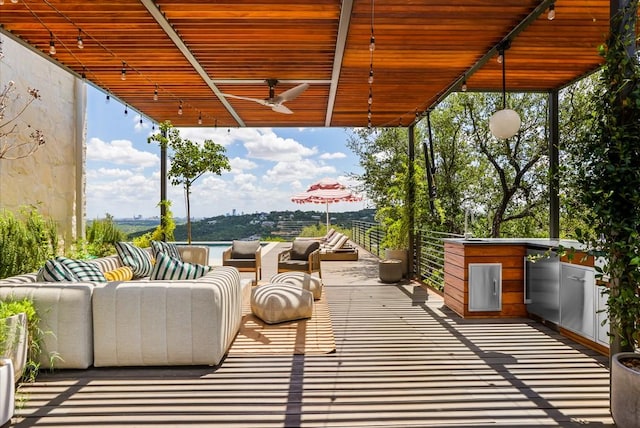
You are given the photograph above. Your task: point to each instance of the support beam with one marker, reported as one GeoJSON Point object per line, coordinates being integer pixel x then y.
{"type": "Point", "coordinates": [411, 199]}
{"type": "Point", "coordinates": [163, 186]}
{"type": "Point", "coordinates": [554, 162]}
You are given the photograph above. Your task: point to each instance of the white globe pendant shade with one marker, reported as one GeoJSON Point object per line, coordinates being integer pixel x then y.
{"type": "Point", "coordinates": [504, 123]}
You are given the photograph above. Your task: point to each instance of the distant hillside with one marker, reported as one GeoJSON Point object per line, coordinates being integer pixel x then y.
{"type": "Point", "coordinates": [276, 224]}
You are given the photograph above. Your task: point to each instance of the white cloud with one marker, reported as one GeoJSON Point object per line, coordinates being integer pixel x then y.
{"type": "Point", "coordinates": [140, 124]}
{"type": "Point", "coordinates": [336, 155]}
{"type": "Point", "coordinates": [120, 152]}
{"type": "Point", "coordinates": [239, 165]}
{"type": "Point", "coordinates": [303, 170]}
{"type": "Point", "coordinates": [266, 145]}
{"type": "Point", "coordinates": [101, 173]}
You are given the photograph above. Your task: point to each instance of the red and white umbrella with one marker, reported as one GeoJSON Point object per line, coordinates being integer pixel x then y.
{"type": "Point", "coordinates": [325, 191]}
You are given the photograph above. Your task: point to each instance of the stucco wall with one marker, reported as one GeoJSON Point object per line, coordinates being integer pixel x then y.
{"type": "Point", "coordinates": [52, 179]}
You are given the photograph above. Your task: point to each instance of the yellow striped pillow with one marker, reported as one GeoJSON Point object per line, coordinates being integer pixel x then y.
{"type": "Point", "coordinates": [124, 273]}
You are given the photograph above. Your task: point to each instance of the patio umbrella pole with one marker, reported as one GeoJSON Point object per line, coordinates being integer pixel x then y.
{"type": "Point", "coordinates": [327, 216]}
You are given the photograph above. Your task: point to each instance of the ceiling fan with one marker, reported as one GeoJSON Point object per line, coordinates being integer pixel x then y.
{"type": "Point", "coordinates": [276, 102]}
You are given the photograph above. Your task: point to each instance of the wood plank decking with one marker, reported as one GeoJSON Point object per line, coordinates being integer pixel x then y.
{"type": "Point", "coordinates": [402, 359]}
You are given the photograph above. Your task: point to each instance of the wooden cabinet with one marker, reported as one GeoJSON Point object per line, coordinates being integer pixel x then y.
{"type": "Point", "coordinates": [458, 255]}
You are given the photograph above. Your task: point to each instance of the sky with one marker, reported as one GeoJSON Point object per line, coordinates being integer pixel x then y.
{"type": "Point", "coordinates": [268, 166]}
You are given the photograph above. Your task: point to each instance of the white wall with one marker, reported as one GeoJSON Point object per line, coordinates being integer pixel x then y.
{"type": "Point", "coordinates": [53, 178]}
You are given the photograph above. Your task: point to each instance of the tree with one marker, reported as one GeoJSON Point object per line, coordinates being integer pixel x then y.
{"type": "Point", "coordinates": [520, 175]}
{"type": "Point", "coordinates": [606, 158]}
{"type": "Point", "coordinates": [189, 161]}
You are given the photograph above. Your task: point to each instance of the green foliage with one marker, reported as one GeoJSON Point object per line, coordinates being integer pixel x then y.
{"type": "Point", "coordinates": [163, 232]}
{"type": "Point", "coordinates": [607, 162]}
{"type": "Point", "coordinates": [101, 236]}
{"type": "Point", "coordinates": [319, 230]}
{"type": "Point", "coordinates": [26, 242]}
{"type": "Point", "coordinates": [12, 307]}
{"type": "Point", "coordinates": [189, 161]}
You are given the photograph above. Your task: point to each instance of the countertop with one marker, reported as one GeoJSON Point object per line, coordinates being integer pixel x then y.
{"type": "Point", "coordinates": [545, 243]}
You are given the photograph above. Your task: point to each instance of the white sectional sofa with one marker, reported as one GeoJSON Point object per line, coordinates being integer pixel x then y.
{"type": "Point", "coordinates": [136, 323]}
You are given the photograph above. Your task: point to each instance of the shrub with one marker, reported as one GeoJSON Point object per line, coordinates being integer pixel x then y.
{"type": "Point", "coordinates": [26, 242]}
{"type": "Point", "coordinates": [102, 235]}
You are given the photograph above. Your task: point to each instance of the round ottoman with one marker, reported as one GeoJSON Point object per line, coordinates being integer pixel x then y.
{"type": "Point", "coordinates": [279, 302]}
{"type": "Point", "coordinates": [302, 280]}
{"type": "Point", "coordinates": [390, 270]}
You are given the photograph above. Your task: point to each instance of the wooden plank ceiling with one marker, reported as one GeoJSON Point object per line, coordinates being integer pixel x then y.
{"type": "Point", "coordinates": [193, 51]}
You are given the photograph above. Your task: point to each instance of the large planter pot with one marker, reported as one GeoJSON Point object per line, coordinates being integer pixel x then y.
{"type": "Point", "coordinates": [7, 388]}
{"type": "Point", "coordinates": [15, 346]}
{"type": "Point", "coordinates": [402, 255]}
{"type": "Point", "coordinates": [625, 392]}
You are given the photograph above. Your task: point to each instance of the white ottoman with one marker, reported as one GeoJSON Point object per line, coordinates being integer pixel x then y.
{"type": "Point", "coordinates": [302, 280]}
{"type": "Point", "coordinates": [275, 303]}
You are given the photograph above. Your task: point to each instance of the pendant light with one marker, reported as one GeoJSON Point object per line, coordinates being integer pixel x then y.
{"type": "Point", "coordinates": [504, 123]}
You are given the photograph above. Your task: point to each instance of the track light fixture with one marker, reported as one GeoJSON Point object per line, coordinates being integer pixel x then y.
{"type": "Point", "coordinates": [52, 44]}
{"type": "Point", "coordinates": [80, 41]}
{"type": "Point", "coordinates": [551, 15]}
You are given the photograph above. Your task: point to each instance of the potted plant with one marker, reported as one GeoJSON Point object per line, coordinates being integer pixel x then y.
{"type": "Point", "coordinates": [20, 336]}
{"type": "Point", "coordinates": [396, 242]}
{"type": "Point", "coordinates": [607, 161]}
{"type": "Point", "coordinates": [7, 393]}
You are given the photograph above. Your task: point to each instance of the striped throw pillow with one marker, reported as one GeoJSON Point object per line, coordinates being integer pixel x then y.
{"type": "Point", "coordinates": [165, 247]}
{"type": "Point", "coordinates": [54, 271]}
{"type": "Point", "coordinates": [167, 267]}
{"type": "Point", "coordinates": [84, 271]}
{"type": "Point", "coordinates": [124, 273]}
{"type": "Point", "coordinates": [137, 259]}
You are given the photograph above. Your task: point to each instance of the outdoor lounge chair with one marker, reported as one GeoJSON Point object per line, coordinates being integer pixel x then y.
{"type": "Point", "coordinates": [304, 256]}
{"type": "Point", "coordinates": [244, 256]}
{"type": "Point", "coordinates": [321, 239]}
{"type": "Point", "coordinates": [339, 249]}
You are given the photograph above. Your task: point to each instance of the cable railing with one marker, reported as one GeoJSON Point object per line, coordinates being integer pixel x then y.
{"type": "Point", "coordinates": [429, 264]}
{"type": "Point", "coordinates": [429, 249]}
{"type": "Point", "coordinates": [368, 235]}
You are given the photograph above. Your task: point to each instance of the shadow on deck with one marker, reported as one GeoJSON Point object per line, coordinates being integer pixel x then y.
{"type": "Point", "coordinates": [401, 359]}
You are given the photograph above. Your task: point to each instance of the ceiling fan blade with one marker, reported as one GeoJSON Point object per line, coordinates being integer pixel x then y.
{"type": "Point", "coordinates": [281, 109]}
{"type": "Point", "coordinates": [255, 100]}
{"type": "Point", "coordinates": [292, 93]}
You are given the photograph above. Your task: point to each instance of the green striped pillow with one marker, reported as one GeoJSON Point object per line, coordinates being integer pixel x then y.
{"type": "Point", "coordinates": [83, 271]}
{"type": "Point", "coordinates": [54, 271]}
{"type": "Point", "coordinates": [167, 267]}
{"type": "Point", "coordinates": [165, 247]}
{"type": "Point", "coordinates": [137, 259]}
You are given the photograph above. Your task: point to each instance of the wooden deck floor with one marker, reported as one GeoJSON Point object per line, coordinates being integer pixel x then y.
{"type": "Point", "coordinates": [402, 360]}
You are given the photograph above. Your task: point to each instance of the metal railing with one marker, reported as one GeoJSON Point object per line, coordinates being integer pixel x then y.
{"type": "Point", "coordinates": [368, 235]}
{"type": "Point", "coordinates": [429, 249]}
{"type": "Point", "coordinates": [429, 258]}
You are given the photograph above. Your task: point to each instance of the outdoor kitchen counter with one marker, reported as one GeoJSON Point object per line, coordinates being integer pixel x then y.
{"type": "Point", "coordinates": [484, 277]}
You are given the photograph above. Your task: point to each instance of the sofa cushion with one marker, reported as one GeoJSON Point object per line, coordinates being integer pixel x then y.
{"type": "Point", "coordinates": [55, 271]}
{"type": "Point", "coordinates": [167, 267]}
{"type": "Point", "coordinates": [165, 247]}
{"type": "Point", "coordinates": [244, 249]}
{"type": "Point", "coordinates": [83, 270]}
{"type": "Point", "coordinates": [301, 250]}
{"type": "Point", "coordinates": [137, 259]}
{"type": "Point", "coordinates": [124, 273]}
